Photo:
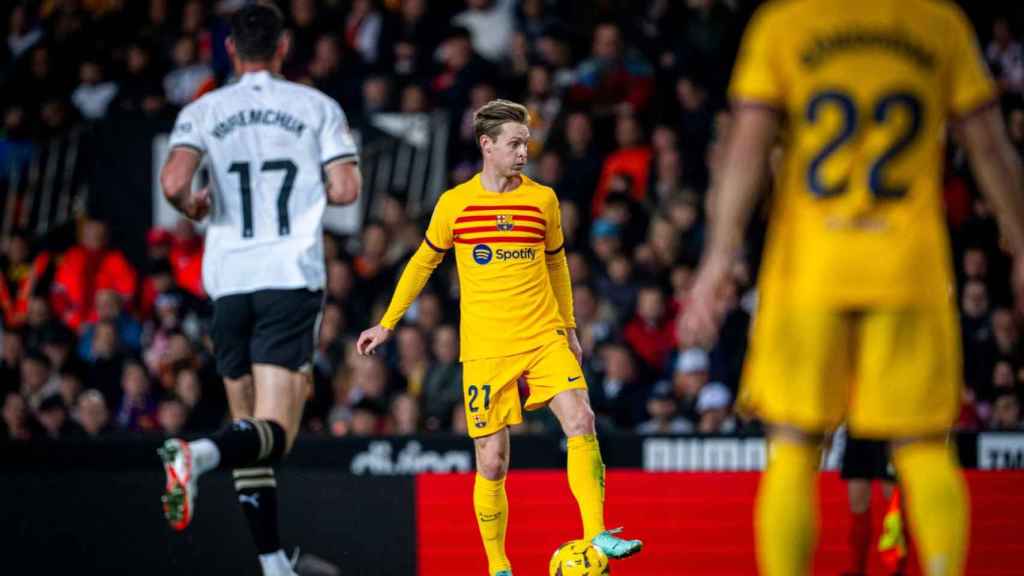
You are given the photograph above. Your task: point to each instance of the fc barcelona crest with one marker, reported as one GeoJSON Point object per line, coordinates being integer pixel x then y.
{"type": "Point", "coordinates": [505, 222]}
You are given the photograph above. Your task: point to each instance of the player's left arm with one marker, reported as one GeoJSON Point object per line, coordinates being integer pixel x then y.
{"type": "Point", "coordinates": [558, 274]}
{"type": "Point", "coordinates": [339, 157]}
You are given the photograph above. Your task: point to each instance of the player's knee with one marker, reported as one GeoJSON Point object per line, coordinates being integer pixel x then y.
{"type": "Point", "coordinates": [580, 422]}
{"type": "Point", "coordinates": [491, 461]}
{"type": "Point", "coordinates": [491, 466]}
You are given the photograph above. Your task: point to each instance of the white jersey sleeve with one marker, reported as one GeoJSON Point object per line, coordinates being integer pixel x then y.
{"type": "Point", "coordinates": [336, 141]}
{"type": "Point", "coordinates": [187, 130]}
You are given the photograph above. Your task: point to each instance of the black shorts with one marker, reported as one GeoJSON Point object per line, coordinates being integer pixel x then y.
{"type": "Point", "coordinates": [866, 460]}
{"type": "Point", "coordinates": [277, 327]}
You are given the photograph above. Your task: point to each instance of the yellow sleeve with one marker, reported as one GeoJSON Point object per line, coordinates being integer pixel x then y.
{"type": "Point", "coordinates": [756, 77]}
{"type": "Point", "coordinates": [414, 278]}
{"type": "Point", "coordinates": [970, 86]}
{"type": "Point", "coordinates": [439, 232]}
{"type": "Point", "coordinates": [558, 266]}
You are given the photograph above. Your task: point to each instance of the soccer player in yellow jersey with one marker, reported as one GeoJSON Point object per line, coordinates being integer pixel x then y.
{"type": "Point", "coordinates": [517, 322]}
{"type": "Point", "coordinates": [856, 316]}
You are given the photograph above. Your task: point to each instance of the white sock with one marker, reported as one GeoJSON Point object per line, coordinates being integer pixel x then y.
{"type": "Point", "coordinates": [275, 564]}
{"type": "Point", "coordinates": [205, 456]}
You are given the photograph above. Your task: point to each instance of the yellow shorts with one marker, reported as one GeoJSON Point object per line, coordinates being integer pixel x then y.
{"type": "Point", "coordinates": [889, 373]}
{"type": "Point", "coordinates": [490, 387]}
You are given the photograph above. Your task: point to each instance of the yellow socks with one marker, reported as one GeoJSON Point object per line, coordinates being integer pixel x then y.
{"type": "Point", "coordinates": [586, 480]}
{"type": "Point", "coordinates": [786, 517]}
{"type": "Point", "coordinates": [936, 502]}
{"type": "Point", "coordinates": [491, 505]}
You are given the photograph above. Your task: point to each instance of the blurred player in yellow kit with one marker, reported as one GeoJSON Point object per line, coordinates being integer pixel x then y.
{"type": "Point", "coordinates": [517, 322]}
{"type": "Point", "coordinates": [856, 316]}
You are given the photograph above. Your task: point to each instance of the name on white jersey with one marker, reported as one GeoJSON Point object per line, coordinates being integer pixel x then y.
{"type": "Point", "coordinates": [267, 117]}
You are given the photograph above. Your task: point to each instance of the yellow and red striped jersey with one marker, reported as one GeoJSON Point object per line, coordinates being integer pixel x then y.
{"type": "Point", "coordinates": [500, 241]}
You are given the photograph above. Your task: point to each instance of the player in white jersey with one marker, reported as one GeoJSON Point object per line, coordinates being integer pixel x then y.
{"type": "Point", "coordinates": [279, 152]}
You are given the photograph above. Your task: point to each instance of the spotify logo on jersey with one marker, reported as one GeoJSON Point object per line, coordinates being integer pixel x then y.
{"type": "Point", "coordinates": [482, 254]}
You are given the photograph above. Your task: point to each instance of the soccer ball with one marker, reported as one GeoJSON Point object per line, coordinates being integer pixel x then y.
{"type": "Point", "coordinates": [578, 558]}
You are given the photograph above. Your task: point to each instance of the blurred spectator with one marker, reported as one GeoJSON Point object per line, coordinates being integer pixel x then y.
{"type": "Point", "coordinates": [416, 36]}
{"type": "Point", "coordinates": [613, 78]}
{"type": "Point", "coordinates": [651, 332]}
{"type": "Point", "coordinates": [86, 268]}
{"type": "Point", "coordinates": [182, 83]}
{"type": "Point", "coordinates": [18, 424]}
{"type": "Point", "coordinates": [12, 350]}
{"type": "Point", "coordinates": [70, 388]}
{"type": "Point", "coordinates": [23, 277]}
{"type": "Point", "coordinates": [57, 343]}
{"type": "Point", "coordinates": [94, 93]}
{"type": "Point", "coordinates": [594, 325]}
{"type": "Point", "coordinates": [413, 361]}
{"type": "Point", "coordinates": [201, 412]}
{"type": "Point", "coordinates": [171, 416]}
{"type": "Point", "coordinates": [631, 159]}
{"type": "Point", "coordinates": [137, 410]}
{"type": "Point", "coordinates": [332, 70]}
{"type": "Point", "coordinates": [108, 309]}
{"type": "Point", "coordinates": [714, 404]}
{"type": "Point", "coordinates": [53, 417]}
{"type": "Point", "coordinates": [103, 371]}
{"type": "Point", "coordinates": [690, 376]}
{"type": "Point", "coordinates": [1006, 412]}
{"type": "Point", "coordinates": [37, 379]}
{"type": "Point", "coordinates": [462, 69]}
{"type": "Point", "coordinates": [442, 387]}
{"type": "Point", "coordinates": [661, 407]}
{"type": "Point", "coordinates": [620, 394]}
{"type": "Point", "coordinates": [696, 122]}
{"type": "Point", "coordinates": [141, 89]}
{"type": "Point", "coordinates": [544, 105]}
{"type": "Point", "coordinates": [1005, 56]}
{"type": "Point", "coordinates": [305, 27]}
{"type": "Point", "coordinates": [93, 414]}
{"type": "Point", "coordinates": [405, 415]}
{"type": "Point", "coordinates": [376, 95]}
{"type": "Point", "coordinates": [490, 25]}
{"type": "Point", "coordinates": [23, 31]}
{"type": "Point", "coordinates": [617, 286]}
{"type": "Point", "coordinates": [366, 418]}
{"type": "Point", "coordinates": [186, 257]}
{"type": "Point", "coordinates": [977, 333]}
{"type": "Point", "coordinates": [533, 19]}
{"type": "Point", "coordinates": [363, 28]}
{"type": "Point", "coordinates": [582, 160]}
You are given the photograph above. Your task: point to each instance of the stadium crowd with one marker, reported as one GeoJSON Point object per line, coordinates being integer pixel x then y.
{"type": "Point", "coordinates": [628, 110]}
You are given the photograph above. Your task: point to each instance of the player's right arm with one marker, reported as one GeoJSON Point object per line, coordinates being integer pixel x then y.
{"type": "Point", "coordinates": [437, 242]}
{"type": "Point", "coordinates": [758, 94]}
{"type": "Point", "coordinates": [187, 149]}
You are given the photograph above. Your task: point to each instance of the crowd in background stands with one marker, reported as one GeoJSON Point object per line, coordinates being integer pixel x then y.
{"type": "Point", "coordinates": [627, 103]}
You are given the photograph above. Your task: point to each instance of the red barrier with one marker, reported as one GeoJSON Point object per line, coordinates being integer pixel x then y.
{"type": "Point", "coordinates": [691, 523]}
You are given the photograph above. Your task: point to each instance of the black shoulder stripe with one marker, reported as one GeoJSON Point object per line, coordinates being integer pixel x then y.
{"type": "Point", "coordinates": [341, 158]}
{"type": "Point", "coordinates": [435, 248]}
{"type": "Point", "coordinates": [191, 147]}
{"type": "Point", "coordinates": [556, 250]}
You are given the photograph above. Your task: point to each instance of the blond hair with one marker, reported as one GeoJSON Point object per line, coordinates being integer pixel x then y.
{"type": "Point", "coordinates": [487, 120]}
